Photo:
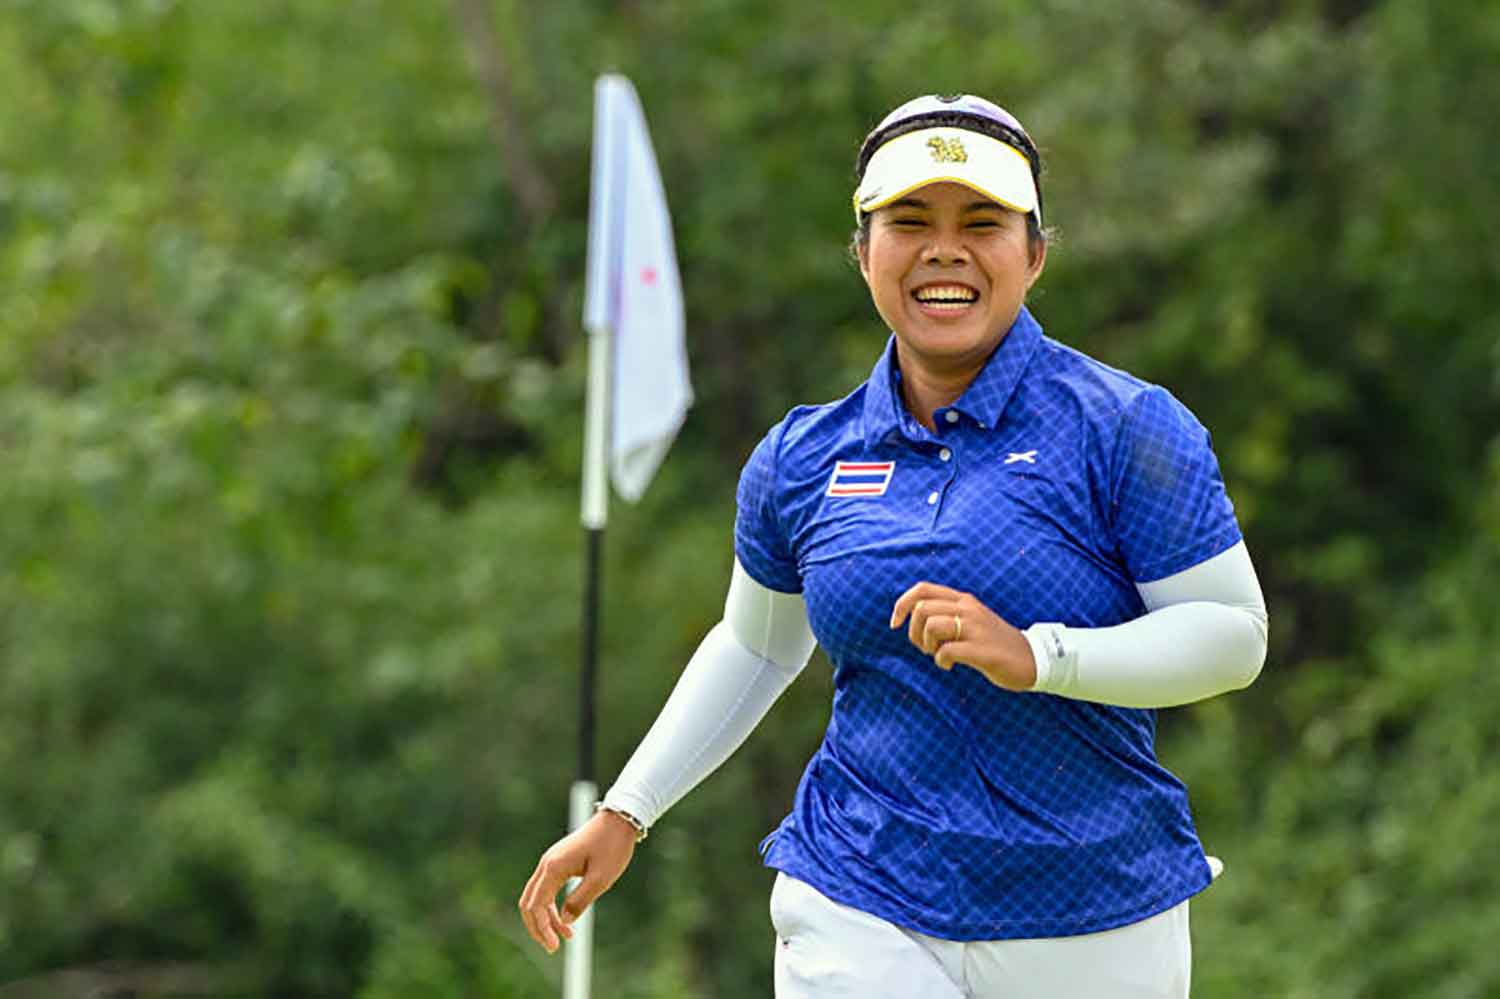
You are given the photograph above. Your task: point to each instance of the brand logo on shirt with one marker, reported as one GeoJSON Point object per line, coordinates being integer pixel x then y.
{"type": "Point", "coordinates": [860, 478]}
{"type": "Point", "coordinates": [1027, 456]}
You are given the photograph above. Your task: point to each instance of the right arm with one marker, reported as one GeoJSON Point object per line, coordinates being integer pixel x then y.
{"type": "Point", "coordinates": [739, 670]}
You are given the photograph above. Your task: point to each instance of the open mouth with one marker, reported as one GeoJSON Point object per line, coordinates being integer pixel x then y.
{"type": "Point", "coordinates": [945, 297]}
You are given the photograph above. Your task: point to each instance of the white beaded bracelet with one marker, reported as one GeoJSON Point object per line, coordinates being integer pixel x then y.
{"type": "Point", "coordinates": [635, 823]}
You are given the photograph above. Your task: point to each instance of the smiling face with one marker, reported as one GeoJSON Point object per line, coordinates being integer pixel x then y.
{"type": "Point", "coordinates": [948, 270]}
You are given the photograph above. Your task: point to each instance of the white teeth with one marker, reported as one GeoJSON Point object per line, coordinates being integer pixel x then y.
{"type": "Point", "coordinates": [946, 295]}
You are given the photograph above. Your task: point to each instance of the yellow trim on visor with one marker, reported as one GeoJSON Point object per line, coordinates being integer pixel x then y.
{"type": "Point", "coordinates": [985, 165]}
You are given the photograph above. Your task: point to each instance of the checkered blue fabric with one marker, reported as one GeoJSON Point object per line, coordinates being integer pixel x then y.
{"type": "Point", "coordinates": [937, 800]}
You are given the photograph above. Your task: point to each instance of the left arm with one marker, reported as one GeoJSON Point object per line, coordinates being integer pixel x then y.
{"type": "Point", "coordinates": [1204, 633]}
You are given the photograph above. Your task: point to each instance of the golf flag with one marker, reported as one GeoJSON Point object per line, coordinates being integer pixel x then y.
{"type": "Point", "coordinates": [638, 391]}
{"type": "Point", "coordinates": [634, 292]}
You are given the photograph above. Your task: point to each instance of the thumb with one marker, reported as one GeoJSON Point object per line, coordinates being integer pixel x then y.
{"type": "Point", "coordinates": [583, 896]}
{"type": "Point", "coordinates": [951, 654]}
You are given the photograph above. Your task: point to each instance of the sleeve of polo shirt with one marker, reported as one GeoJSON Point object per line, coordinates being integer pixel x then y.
{"type": "Point", "coordinates": [760, 538]}
{"type": "Point", "coordinates": [1169, 509]}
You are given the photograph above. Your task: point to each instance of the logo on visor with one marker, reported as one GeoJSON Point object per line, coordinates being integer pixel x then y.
{"type": "Point", "coordinates": [947, 150]}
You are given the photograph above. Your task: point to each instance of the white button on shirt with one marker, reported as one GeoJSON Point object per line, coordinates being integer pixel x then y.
{"type": "Point", "coordinates": [951, 416]}
{"type": "Point", "coordinates": [932, 498]}
{"type": "Point", "coordinates": [945, 454]}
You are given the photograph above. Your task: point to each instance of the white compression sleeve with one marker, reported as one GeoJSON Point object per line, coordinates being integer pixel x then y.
{"type": "Point", "coordinates": [1204, 633]}
{"type": "Point", "coordinates": [741, 667]}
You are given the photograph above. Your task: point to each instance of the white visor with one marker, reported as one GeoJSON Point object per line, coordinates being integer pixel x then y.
{"type": "Point", "coordinates": [932, 155]}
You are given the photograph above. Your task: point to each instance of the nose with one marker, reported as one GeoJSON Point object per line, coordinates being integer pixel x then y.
{"type": "Point", "coordinates": [946, 247]}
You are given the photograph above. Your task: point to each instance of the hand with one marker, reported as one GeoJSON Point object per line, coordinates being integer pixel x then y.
{"type": "Point", "coordinates": [598, 852]}
{"type": "Point", "coordinates": [956, 629]}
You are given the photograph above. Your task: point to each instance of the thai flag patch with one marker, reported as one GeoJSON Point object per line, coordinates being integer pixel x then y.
{"type": "Point", "coordinates": [860, 478]}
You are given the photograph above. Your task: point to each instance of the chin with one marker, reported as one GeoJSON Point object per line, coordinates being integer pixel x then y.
{"type": "Point", "coordinates": [966, 334]}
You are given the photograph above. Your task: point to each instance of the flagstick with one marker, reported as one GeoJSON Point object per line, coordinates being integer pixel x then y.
{"type": "Point", "coordinates": [589, 659]}
{"type": "Point", "coordinates": [595, 511]}
{"type": "Point", "coordinates": [579, 952]}
{"type": "Point", "coordinates": [599, 310]}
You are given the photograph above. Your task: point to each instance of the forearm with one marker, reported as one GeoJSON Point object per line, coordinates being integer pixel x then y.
{"type": "Point", "coordinates": [720, 698]}
{"type": "Point", "coordinates": [1205, 634]}
{"type": "Point", "coordinates": [739, 670]}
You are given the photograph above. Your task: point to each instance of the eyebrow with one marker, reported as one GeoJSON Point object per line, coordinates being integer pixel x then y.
{"type": "Point", "coordinates": [973, 206]}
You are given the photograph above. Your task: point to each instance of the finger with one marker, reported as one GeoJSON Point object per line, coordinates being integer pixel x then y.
{"type": "Point", "coordinates": [920, 592]}
{"type": "Point", "coordinates": [926, 613]}
{"type": "Point", "coordinates": [905, 602]}
{"type": "Point", "coordinates": [528, 917]}
{"type": "Point", "coordinates": [541, 887]}
{"type": "Point", "coordinates": [916, 624]}
{"type": "Point", "coordinates": [540, 929]}
{"type": "Point", "coordinates": [940, 629]}
{"type": "Point", "coordinates": [539, 896]}
{"type": "Point", "coordinates": [559, 922]}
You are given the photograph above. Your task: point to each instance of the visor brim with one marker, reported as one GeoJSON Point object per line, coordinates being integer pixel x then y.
{"type": "Point", "coordinates": [985, 165]}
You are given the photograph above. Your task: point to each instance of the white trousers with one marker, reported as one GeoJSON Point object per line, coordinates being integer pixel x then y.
{"type": "Point", "coordinates": [825, 950]}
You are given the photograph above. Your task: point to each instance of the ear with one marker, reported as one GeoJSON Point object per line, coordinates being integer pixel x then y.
{"type": "Point", "coordinates": [862, 251]}
{"type": "Point", "coordinates": [1037, 252]}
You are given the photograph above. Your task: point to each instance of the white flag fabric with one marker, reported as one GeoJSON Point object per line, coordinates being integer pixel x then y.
{"type": "Point", "coordinates": [634, 292]}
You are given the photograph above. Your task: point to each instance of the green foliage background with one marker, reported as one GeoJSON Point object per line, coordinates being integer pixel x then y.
{"type": "Point", "coordinates": [290, 421]}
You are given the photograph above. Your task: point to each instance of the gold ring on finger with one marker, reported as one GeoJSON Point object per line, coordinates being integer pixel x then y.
{"type": "Point", "coordinates": [958, 627]}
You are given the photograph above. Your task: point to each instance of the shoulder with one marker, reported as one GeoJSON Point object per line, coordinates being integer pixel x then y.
{"type": "Point", "coordinates": [1110, 399]}
{"type": "Point", "coordinates": [802, 440]}
{"type": "Point", "coordinates": [1104, 391]}
{"type": "Point", "coordinates": [786, 470]}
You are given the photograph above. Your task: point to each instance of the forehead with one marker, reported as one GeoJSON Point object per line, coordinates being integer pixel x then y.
{"type": "Point", "coordinates": [946, 195]}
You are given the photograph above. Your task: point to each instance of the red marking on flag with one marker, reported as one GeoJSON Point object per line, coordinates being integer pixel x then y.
{"type": "Point", "coordinates": [648, 275]}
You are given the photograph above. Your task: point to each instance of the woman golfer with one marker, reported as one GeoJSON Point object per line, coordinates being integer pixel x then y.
{"type": "Point", "coordinates": [1011, 554]}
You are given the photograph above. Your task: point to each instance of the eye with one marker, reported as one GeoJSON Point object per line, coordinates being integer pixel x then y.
{"type": "Point", "coordinates": [907, 223]}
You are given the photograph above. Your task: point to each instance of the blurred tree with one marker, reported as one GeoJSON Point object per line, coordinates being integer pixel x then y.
{"type": "Point", "coordinates": [290, 402]}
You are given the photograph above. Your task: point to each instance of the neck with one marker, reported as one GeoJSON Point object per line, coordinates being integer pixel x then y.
{"type": "Point", "coordinates": [929, 384]}
{"type": "Point", "coordinates": [925, 392]}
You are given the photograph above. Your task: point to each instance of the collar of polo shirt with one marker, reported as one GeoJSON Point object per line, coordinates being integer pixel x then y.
{"type": "Point", "coordinates": [985, 399]}
{"type": "Point", "coordinates": [983, 164]}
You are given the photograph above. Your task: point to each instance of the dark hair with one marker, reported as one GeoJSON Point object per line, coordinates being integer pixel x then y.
{"type": "Point", "coordinates": [1013, 137]}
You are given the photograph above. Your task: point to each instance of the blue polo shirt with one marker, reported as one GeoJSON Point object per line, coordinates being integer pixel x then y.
{"type": "Point", "coordinates": [937, 800]}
